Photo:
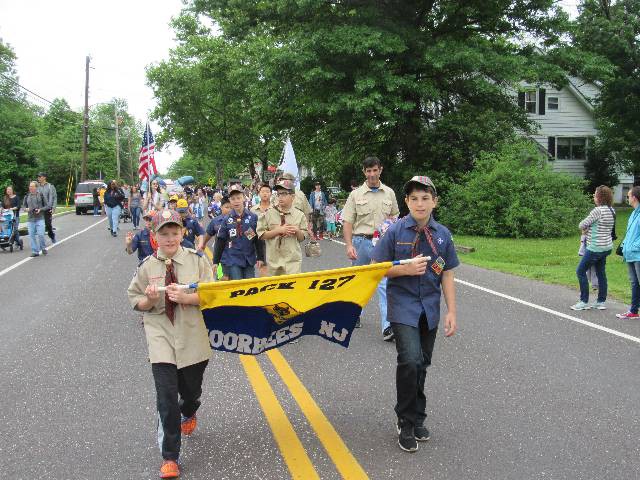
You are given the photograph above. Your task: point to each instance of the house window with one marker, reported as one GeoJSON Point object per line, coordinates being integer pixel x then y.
{"type": "Point", "coordinates": [553, 103]}
{"type": "Point", "coordinates": [530, 101]}
{"type": "Point", "coordinates": [571, 148]}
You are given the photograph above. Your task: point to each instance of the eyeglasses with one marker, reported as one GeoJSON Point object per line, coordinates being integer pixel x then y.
{"type": "Point", "coordinates": [283, 194]}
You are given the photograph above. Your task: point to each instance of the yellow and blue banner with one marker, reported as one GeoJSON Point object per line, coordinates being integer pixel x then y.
{"type": "Point", "coordinates": [255, 315]}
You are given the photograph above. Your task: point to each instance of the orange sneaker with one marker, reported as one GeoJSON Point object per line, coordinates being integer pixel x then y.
{"type": "Point", "coordinates": [169, 469]}
{"type": "Point", "coordinates": [188, 425]}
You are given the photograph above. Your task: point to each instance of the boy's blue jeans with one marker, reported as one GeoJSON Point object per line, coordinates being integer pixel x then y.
{"type": "Point", "coordinates": [415, 348]}
{"type": "Point", "coordinates": [239, 273]}
{"type": "Point", "coordinates": [363, 247]}
{"type": "Point", "coordinates": [599, 261]}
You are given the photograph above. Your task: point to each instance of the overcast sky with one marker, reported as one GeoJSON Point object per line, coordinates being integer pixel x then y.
{"type": "Point", "coordinates": [52, 38]}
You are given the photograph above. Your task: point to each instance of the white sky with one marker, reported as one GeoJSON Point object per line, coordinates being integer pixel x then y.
{"type": "Point", "coordinates": [52, 38]}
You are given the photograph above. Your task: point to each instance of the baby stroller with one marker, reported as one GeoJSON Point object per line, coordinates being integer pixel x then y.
{"type": "Point", "coordinates": [8, 231]}
{"type": "Point", "coordinates": [125, 214]}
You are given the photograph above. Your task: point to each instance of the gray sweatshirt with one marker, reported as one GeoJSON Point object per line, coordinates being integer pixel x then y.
{"type": "Point", "coordinates": [32, 201]}
{"type": "Point", "coordinates": [50, 195]}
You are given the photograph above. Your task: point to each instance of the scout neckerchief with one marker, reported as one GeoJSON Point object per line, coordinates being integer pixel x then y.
{"type": "Point", "coordinates": [438, 265]}
{"type": "Point", "coordinates": [169, 278]}
{"type": "Point", "coordinates": [283, 221]}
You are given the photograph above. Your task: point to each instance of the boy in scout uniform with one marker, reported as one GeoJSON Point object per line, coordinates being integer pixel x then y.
{"type": "Point", "coordinates": [414, 291]}
{"type": "Point", "coordinates": [141, 241]}
{"type": "Point", "coordinates": [237, 245]}
{"type": "Point", "coordinates": [283, 228]}
{"type": "Point", "coordinates": [177, 338]}
{"type": "Point", "coordinates": [299, 198]}
{"type": "Point", "coordinates": [194, 232]}
{"type": "Point", "coordinates": [367, 207]}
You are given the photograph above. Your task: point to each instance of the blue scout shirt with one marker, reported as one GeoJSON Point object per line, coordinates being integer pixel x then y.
{"type": "Point", "coordinates": [409, 296]}
{"type": "Point", "coordinates": [214, 225]}
{"type": "Point", "coordinates": [193, 229]}
{"type": "Point", "coordinates": [238, 234]}
{"type": "Point", "coordinates": [142, 243]}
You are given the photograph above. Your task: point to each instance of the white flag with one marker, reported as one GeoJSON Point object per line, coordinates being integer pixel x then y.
{"type": "Point", "coordinates": [288, 163]}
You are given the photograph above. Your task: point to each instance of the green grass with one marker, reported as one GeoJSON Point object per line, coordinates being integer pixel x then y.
{"type": "Point", "coordinates": [549, 260]}
{"type": "Point", "coordinates": [59, 209]}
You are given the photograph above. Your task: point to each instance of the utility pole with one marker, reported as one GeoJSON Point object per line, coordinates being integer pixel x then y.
{"type": "Point", "coordinates": [85, 124]}
{"type": "Point", "coordinates": [133, 175]}
{"type": "Point", "coordinates": [115, 108]}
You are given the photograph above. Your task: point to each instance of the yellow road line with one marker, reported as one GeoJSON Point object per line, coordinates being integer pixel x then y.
{"type": "Point", "coordinates": [291, 448]}
{"type": "Point", "coordinates": [341, 456]}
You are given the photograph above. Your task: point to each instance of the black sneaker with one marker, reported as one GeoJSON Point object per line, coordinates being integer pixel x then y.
{"type": "Point", "coordinates": [406, 438]}
{"type": "Point", "coordinates": [34, 255]}
{"type": "Point", "coordinates": [421, 433]}
{"type": "Point", "coordinates": [387, 335]}
{"type": "Point", "coordinates": [44, 251]}
{"type": "Point", "coordinates": [358, 324]}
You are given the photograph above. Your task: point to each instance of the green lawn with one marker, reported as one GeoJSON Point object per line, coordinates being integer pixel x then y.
{"type": "Point", "coordinates": [59, 209]}
{"type": "Point", "coordinates": [549, 260]}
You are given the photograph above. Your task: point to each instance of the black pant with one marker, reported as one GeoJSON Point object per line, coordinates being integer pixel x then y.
{"type": "Point", "coordinates": [415, 347]}
{"type": "Point", "coordinates": [48, 215]}
{"type": "Point", "coordinates": [177, 392]}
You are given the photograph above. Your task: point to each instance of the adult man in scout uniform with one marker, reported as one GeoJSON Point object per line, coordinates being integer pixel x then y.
{"type": "Point", "coordinates": [177, 338]}
{"type": "Point", "coordinates": [367, 207]}
{"type": "Point", "coordinates": [193, 228]}
{"type": "Point", "coordinates": [283, 228]}
{"type": "Point", "coordinates": [414, 292]}
{"type": "Point", "coordinates": [237, 245]}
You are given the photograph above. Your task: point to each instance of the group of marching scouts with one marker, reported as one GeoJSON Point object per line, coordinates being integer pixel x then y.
{"type": "Point", "coordinates": [267, 237]}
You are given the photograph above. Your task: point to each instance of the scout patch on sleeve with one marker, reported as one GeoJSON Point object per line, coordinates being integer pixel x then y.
{"type": "Point", "coordinates": [438, 265]}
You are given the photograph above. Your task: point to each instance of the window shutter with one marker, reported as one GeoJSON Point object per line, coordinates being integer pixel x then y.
{"type": "Point", "coordinates": [542, 93]}
{"type": "Point", "coordinates": [521, 99]}
{"type": "Point", "coordinates": [552, 147]}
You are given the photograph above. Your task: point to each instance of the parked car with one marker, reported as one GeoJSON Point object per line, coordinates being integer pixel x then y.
{"type": "Point", "coordinates": [83, 197]}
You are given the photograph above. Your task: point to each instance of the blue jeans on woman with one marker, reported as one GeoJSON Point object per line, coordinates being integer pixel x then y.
{"type": "Point", "coordinates": [135, 216]}
{"type": "Point", "coordinates": [113, 213]}
{"type": "Point", "coordinates": [634, 277]}
{"type": "Point", "coordinates": [599, 261]}
{"type": "Point", "coordinates": [36, 235]}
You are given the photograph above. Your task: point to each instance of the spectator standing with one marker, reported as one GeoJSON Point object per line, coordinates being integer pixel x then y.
{"type": "Point", "coordinates": [135, 206]}
{"type": "Point", "coordinates": [330, 214]}
{"type": "Point", "coordinates": [598, 226]}
{"type": "Point", "coordinates": [36, 206]}
{"type": "Point", "coordinates": [631, 253]}
{"type": "Point", "coordinates": [12, 201]}
{"type": "Point", "coordinates": [51, 197]}
{"type": "Point", "coordinates": [367, 207]}
{"type": "Point", "coordinates": [318, 201]}
{"type": "Point", "coordinates": [96, 202]}
{"type": "Point", "coordinates": [113, 199]}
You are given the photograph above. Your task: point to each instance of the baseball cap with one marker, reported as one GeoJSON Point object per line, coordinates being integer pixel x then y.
{"type": "Point", "coordinates": [288, 176]}
{"type": "Point", "coordinates": [183, 206]}
{"type": "Point", "coordinates": [41, 174]}
{"type": "Point", "coordinates": [149, 215]}
{"type": "Point", "coordinates": [236, 187]}
{"type": "Point", "coordinates": [173, 198]}
{"type": "Point", "coordinates": [284, 184]}
{"type": "Point", "coordinates": [422, 180]}
{"type": "Point", "coordinates": [165, 217]}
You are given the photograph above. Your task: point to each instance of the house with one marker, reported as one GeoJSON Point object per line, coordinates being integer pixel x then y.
{"type": "Point", "coordinates": [566, 125]}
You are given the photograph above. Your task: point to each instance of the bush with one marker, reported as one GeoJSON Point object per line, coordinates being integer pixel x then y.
{"type": "Point", "coordinates": [514, 193]}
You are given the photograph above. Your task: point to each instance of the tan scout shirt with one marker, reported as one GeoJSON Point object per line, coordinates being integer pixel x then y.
{"type": "Point", "coordinates": [256, 209]}
{"type": "Point", "coordinates": [282, 251]}
{"type": "Point", "coordinates": [366, 209]}
{"type": "Point", "coordinates": [299, 201]}
{"type": "Point", "coordinates": [186, 342]}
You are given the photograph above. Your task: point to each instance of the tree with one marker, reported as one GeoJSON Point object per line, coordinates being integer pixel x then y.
{"type": "Point", "coordinates": [610, 31]}
{"type": "Point", "coordinates": [425, 85]}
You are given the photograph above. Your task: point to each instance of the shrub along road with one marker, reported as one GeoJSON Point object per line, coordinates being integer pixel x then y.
{"type": "Point", "coordinates": [517, 393]}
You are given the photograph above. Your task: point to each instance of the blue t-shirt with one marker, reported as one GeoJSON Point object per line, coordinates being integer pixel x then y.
{"type": "Point", "coordinates": [408, 296]}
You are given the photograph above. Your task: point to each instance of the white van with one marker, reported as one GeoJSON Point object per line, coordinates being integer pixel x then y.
{"type": "Point", "coordinates": [83, 197]}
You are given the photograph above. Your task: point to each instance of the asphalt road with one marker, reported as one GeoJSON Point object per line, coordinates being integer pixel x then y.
{"type": "Point", "coordinates": [518, 393]}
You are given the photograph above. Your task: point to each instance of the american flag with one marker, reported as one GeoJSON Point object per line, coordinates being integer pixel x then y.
{"type": "Point", "coordinates": [147, 167]}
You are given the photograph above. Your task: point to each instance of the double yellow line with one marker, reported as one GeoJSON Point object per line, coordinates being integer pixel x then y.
{"type": "Point", "coordinates": [291, 448]}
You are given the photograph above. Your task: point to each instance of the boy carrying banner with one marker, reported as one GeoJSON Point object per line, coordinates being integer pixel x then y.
{"type": "Point", "coordinates": [413, 296]}
{"type": "Point", "coordinates": [283, 228]}
{"type": "Point", "coordinates": [177, 338]}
